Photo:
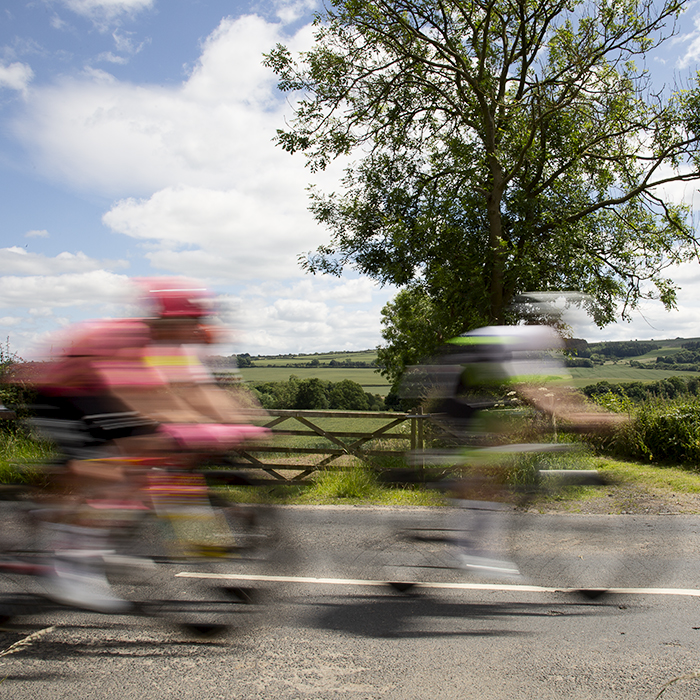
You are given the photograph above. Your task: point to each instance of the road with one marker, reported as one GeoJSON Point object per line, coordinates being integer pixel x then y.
{"type": "Point", "coordinates": [318, 633]}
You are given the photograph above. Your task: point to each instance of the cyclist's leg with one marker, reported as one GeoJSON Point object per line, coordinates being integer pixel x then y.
{"type": "Point", "coordinates": [482, 519]}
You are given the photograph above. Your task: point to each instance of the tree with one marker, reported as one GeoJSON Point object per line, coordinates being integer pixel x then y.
{"type": "Point", "coordinates": [413, 326]}
{"type": "Point", "coordinates": [501, 146]}
{"type": "Point", "coordinates": [347, 395]}
{"type": "Point", "coordinates": [244, 360]}
{"type": "Point", "coordinates": [311, 394]}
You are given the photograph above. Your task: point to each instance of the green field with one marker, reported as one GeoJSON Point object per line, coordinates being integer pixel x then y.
{"type": "Point", "coordinates": [280, 368]}
{"type": "Point", "coordinates": [372, 382]}
{"type": "Point", "coordinates": [324, 358]}
{"type": "Point", "coordinates": [621, 373]}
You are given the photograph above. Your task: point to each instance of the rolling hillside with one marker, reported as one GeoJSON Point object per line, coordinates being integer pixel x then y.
{"type": "Point", "coordinates": [358, 366]}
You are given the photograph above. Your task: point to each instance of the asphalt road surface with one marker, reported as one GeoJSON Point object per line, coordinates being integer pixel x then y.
{"type": "Point", "coordinates": [320, 625]}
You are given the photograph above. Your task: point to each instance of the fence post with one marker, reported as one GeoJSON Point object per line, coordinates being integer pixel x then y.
{"type": "Point", "coordinates": [414, 432]}
{"type": "Point", "coordinates": [420, 444]}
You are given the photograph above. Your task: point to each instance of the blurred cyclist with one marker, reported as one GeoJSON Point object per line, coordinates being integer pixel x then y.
{"type": "Point", "coordinates": [114, 392]}
{"type": "Point", "coordinates": [476, 371]}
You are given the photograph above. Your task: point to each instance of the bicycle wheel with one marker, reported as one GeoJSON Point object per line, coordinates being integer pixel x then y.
{"type": "Point", "coordinates": [23, 555]}
{"type": "Point", "coordinates": [586, 553]}
{"type": "Point", "coordinates": [406, 549]}
{"type": "Point", "coordinates": [183, 566]}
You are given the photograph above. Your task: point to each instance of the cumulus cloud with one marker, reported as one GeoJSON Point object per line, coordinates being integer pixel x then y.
{"type": "Point", "coordinates": [227, 234]}
{"type": "Point", "coordinates": [692, 39]}
{"type": "Point", "coordinates": [16, 76]}
{"type": "Point", "coordinates": [37, 233]}
{"type": "Point", "coordinates": [17, 261]}
{"type": "Point", "coordinates": [73, 289]}
{"type": "Point", "coordinates": [107, 9]}
{"type": "Point", "coordinates": [261, 330]}
{"type": "Point", "coordinates": [290, 12]}
{"type": "Point", "coordinates": [214, 130]}
{"type": "Point", "coordinates": [206, 189]}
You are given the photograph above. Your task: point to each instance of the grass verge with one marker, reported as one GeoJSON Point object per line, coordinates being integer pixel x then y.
{"type": "Point", "coordinates": [19, 455]}
{"type": "Point", "coordinates": [631, 487]}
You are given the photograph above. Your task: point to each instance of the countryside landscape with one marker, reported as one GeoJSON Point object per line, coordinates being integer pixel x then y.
{"type": "Point", "coordinates": [361, 366]}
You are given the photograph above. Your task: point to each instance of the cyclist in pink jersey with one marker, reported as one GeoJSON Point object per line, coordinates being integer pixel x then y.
{"type": "Point", "coordinates": [125, 388]}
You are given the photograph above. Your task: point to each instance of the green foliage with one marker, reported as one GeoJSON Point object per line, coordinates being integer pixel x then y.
{"type": "Point", "coordinates": [311, 394]}
{"type": "Point", "coordinates": [636, 392]}
{"type": "Point", "coordinates": [348, 396]}
{"type": "Point", "coordinates": [315, 394]}
{"type": "Point", "coordinates": [243, 360]}
{"type": "Point", "coordinates": [413, 327]}
{"type": "Point", "coordinates": [15, 394]}
{"type": "Point", "coordinates": [617, 402]}
{"type": "Point", "coordinates": [357, 484]}
{"type": "Point", "coordinates": [21, 457]}
{"type": "Point", "coordinates": [629, 348]}
{"type": "Point", "coordinates": [502, 147]}
{"type": "Point", "coordinates": [663, 431]}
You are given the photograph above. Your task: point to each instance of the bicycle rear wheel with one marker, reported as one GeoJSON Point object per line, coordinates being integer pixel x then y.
{"type": "Point", "coordinates": [178, 566]}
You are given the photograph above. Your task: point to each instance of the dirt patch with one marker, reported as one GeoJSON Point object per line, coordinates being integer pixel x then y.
{"type": "Point", "coordinates": [620, 499]}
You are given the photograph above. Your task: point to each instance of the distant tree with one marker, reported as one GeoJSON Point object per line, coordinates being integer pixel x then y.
{"type": "Point", "coordinates": [243, 360]}
{"type": "Point", "coordinates": [347, 395]}
{"type": "Point", "coordinates": [577, 347]}
{"type": "Point", "coordinates": [311, 394]}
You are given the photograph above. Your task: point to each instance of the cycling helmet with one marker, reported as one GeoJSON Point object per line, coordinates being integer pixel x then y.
{"type": "Point", "coordinates": [175, 297]}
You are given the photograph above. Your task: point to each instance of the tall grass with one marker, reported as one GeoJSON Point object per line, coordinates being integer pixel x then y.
{"type": "Point", "coordinates": [21, 457]}
{"type": "Point", "coordinates": [662, 431]}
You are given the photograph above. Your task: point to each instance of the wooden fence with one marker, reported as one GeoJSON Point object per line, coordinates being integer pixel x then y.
{"type": "Point", "coordinates": [335, 446]}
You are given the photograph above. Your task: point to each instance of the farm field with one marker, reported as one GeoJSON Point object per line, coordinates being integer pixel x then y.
{"type": "Point", "coordinates": [273, 369]}
{"type": "Point", "coordinates": [621, 373]}
{"type": "Point", "coordinates": [324, 358]}
{"type": "Point", "coordinates": [372, 382]}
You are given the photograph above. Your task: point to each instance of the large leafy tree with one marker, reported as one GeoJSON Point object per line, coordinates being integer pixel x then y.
{"type": "Point", "coordinates": [499, 146]}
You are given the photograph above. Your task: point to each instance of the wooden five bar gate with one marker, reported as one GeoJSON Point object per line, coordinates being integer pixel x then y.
{"type": "Point", "coordinates": [334, 445]}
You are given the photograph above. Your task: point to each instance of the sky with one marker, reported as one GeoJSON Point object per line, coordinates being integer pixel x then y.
{"type": "Point", "coordinates": [136, 139]}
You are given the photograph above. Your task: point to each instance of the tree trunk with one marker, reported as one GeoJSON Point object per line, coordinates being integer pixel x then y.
{"type": "Point", "coordinates": [496, 250]}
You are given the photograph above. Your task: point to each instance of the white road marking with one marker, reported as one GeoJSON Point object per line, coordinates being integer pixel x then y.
{"type": "Point", "coordinates": [688, 592]}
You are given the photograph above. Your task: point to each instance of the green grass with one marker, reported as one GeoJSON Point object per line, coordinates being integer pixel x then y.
{"type": "Point", "coordinates": [619, 373]}
{"type": "Point", "coordinates": [362, 356]}
{"type": "Point", "coordinates": [19, 456]}
{"type": "Point", "coordinates": [672, 479]}
{"type": "Point", "coordinates": [337, 488]}
{"type": "Point", "coordinates": [372, 382]}
{"type": "Point", "coordinates": [359, 486]}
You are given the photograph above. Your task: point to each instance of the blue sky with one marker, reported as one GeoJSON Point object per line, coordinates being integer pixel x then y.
{"type": "Point", "coordinates": [136, 139]}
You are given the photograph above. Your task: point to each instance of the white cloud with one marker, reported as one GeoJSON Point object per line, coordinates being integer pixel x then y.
{"type": "Point", "coordinates": [203, 189]}
{"type": "Point", "coordinates": [16, 76]}
{"type": "Point", "coordinates": [109, 57]}
{"type": "Point", "coordinates": [651, 320]}
{"type": "Point", "coordinates": [231, 235]}
{"type": "Point", "coordinates": [17, 261]}
{"type": "Point", "coordinates": [37, 233]}
{"type": "Point", "coordinates": [692, 39]}
{"type": "Point", "coordinates": [306, 318]}
{"type": "Point", "coordinates": [107, 9]}
{"type": "Point", "coordinates": [215, 130]}
{"type": "Point", "coordinates": [353, 291]}
{"type": "Point", "coordinates": [300, 311]}
{"type": "Point", "coordinates": [75, 289]}
{"type": "Point", "coordinates": [290, 12]}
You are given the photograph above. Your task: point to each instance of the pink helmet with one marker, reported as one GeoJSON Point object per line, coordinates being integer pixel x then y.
{"type": "Point", "coordinates": [175, 297]}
